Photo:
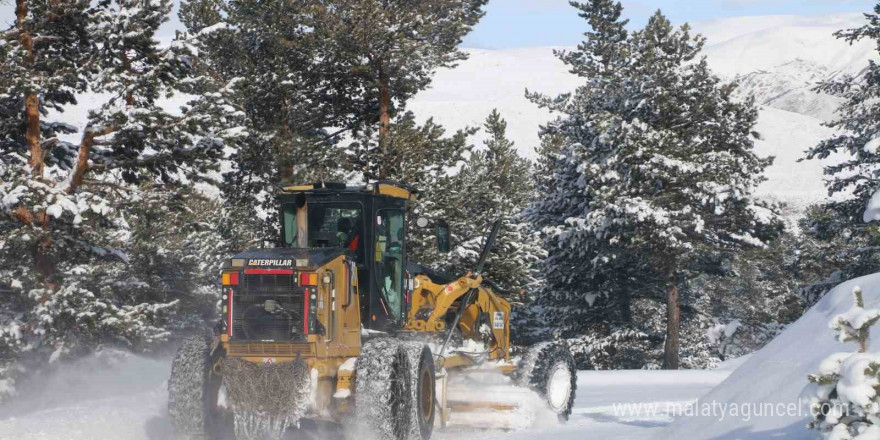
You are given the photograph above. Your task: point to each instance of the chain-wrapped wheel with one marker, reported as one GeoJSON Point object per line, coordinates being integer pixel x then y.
{"type": "Point", "coordinates": [421, 362]}
{"type": "Point", "coordinates": [549, 369]}
{"type": "Point", "coordinates": [383, 390]}
{"type": "Point", "coordinates": [192, 391]}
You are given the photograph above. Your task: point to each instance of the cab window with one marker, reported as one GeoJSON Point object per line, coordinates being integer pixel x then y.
{"type": "Point", "coordinates": [388, 259]}
{"type": "Point", "coordinates": [329, 226]}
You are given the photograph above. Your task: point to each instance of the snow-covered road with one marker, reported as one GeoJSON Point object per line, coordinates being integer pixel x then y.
{"type": "Point", "coordinates": [127, 402]}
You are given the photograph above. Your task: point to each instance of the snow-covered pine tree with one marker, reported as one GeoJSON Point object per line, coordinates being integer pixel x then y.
{"type": "Point", "coordinates": [753, 299]}
{"type": "Point", "coordinates": [845, 229]}
{"type": "Point", "coordinates": [834, 247]}
{"type": "Point", "coordinates": [132, 134]}
{"type": "Point", "coordinates": [43, 53]}
{"type": "Point", "coordinates": [657, 170]}
{"type": "Point", "coordinates": [494, 183]}
{"type": "Point", "coordinates": [64, 222]}
{"type": "Point", "coordinates": [843, 395]}
{"type": "Point", "coordinates": [292, 89]}
{"type": "Point", "coordinates": [394, 47]}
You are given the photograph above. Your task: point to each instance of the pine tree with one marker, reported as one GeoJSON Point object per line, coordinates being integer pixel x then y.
{"type": "Point", "coordinates": [394, 47]}
{"type": "Point", "coordinates": [857, 133]}
{"type": "Point", "coordinates": [494, 183]}
{"type": "Point", "coordinates": [657, 171]}
{"type": "Point", "coordinates": [65, 207]}
{"type": "Point", "coordinates": [42, 54]}
{"type": "Point", "coordinates": [292, 89]}
{"type": "Point", "coordinates": [843, 231]}
{"type": "Point", "coordinates": [842, 395]}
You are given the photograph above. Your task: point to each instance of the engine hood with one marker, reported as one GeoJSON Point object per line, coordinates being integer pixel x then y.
{"type": "Point", "coordinates": [289, 258]}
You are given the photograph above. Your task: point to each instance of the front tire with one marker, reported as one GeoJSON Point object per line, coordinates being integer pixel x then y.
{"type": "Point", "coordinates": [549, 369]}
{"type": "Point", "coordinates": [423, 388]}
{"type": "Point", "coordinates": [383, 390]}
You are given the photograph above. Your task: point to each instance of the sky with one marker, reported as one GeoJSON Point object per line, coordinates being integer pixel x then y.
{"type": "Point", "coordinates": [518, 23]}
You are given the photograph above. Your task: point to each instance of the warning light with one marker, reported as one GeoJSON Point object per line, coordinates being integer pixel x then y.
{"type": "Point", "coordinates": [230, 279]}
{"type": "Point", "coordinates": [308, 279]}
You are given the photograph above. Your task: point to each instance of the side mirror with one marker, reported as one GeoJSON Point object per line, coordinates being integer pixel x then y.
{"type": "Point", "coordinates": [443, 240]}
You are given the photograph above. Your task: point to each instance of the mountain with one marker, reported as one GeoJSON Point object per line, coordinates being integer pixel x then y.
{"type": "Point", "coordinates": [777, 59]}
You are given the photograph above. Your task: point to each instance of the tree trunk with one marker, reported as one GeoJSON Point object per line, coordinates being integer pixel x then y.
{"type": "Point", "coordinates": [285, 155]}
{"type": "Point", "coordinates": [624, 305]}
{"type": "Point", "coordinates": [82, 159]}
{"type": "Point", "coordinates": [32, 100]}
{"type": "Point", "coordinates": [384, 119]}
{"type": "Point", "coordinates": [673, 322]}
{"type": "Point", "coordinates": [32, 115]}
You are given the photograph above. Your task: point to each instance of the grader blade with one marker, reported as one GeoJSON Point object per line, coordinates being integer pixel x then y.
{"type": "Point", "coordinates": [488, 399]}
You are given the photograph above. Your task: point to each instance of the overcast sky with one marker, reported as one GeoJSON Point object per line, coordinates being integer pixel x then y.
{"type": "Point", "coordinates": [516, 23]}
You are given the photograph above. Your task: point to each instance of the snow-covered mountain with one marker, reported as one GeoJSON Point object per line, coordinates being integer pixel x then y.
{"type": "Point", "coordinates": [778, 59]}
{"type": "Point", "coordinates": [789, 87]}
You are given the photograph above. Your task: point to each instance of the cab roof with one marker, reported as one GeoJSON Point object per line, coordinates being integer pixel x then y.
{"type": "Point", "coordinates": [384, 188]}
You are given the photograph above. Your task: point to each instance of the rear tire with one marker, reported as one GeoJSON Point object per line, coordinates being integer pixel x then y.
{"type": "Point", "coordinates": [383, 390]}
{"type": "Point", "coordinates": [549, 369]}
{"type": "Point", "coordinates": [189, 389]}
{"type": "Point", "coordinates": [423, 388]}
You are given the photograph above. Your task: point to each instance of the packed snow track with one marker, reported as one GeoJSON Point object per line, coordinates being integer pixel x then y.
{"type": "Point", "coordinates": [121, 397]}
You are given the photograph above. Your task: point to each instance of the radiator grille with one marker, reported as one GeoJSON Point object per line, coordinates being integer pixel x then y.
{"type": "Point", "coordinates": [252, 321]}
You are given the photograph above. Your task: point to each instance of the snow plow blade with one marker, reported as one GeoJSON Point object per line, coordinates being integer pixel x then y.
{"type": "Point", "coordinates": [486, 399]}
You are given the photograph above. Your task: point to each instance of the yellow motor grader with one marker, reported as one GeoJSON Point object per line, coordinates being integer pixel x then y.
{"type": "Point", "coordinates": [335, 323]}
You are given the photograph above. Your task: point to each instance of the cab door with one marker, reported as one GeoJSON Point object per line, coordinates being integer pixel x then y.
{"type": "Point", "coordinates": [387, 260]}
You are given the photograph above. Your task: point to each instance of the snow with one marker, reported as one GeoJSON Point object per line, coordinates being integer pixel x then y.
{"type": "Point", "coordinates": [786, 136]}
{"type": "Point", "coordinates": [100, 399]}
{"type": "Point", "coordinates": [747, 44]}
{"type": "Point", "coordinates": [777, 374]}
{"type": "Point", "coordinates": [872, 211]}
{"type": "Point", "coordinates": [855, 386]}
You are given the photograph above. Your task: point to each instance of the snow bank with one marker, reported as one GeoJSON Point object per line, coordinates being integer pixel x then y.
{"type": "Point", "coordinates": [775, 377]}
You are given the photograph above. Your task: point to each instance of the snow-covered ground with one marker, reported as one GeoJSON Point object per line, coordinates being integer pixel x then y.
{"type": "Point", "coordinates": [126, 401]}
{"type": "Point", "coordinates": [123, 397]}
{"type": "Point", "coordinates": [770, 383]}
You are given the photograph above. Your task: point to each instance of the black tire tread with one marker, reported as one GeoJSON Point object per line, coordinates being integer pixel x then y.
{"type": "Point", "coordinates": [188, 388]}
{"type": "Point", "coordinates": [535, 369]}
{"type": "Point", "coordinates": [381, 362]}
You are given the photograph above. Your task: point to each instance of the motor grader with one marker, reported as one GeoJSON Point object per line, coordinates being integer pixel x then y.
{"type": "Point", "coordinates": [335, 323]}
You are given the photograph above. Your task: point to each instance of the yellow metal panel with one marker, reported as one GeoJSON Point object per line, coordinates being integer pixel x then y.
{"type": "Point", "coordinates": [395, 191]}
{"type": "Point", "coordinates": [299, 188]}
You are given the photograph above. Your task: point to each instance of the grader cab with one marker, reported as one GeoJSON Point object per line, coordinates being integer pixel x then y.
{"type": "Point", "coordinates": [335, 323]}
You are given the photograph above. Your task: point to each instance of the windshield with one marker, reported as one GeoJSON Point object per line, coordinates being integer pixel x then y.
{"type": "Point", "coordinates": [329, 226]}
